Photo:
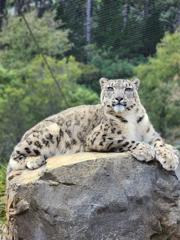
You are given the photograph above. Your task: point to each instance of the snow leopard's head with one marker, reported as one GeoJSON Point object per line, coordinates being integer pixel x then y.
{"type": "Point", "coordinates": [119, 95]}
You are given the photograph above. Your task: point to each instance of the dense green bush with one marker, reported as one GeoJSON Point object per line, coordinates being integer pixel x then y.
{"type": "Point", "coordinates": [89, 77]}
{"type": "Point", "coordinates": [161, 84]}
{"type": "Point", "coordinates": [17, 47]}
{"type": "Point", "coordinates": [32, 95]}
{"type": "Point", "coordinates": [28, 93]}
{"type": "Point", "coordinates": [109, 65]}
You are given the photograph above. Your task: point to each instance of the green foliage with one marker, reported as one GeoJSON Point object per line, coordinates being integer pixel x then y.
{"type": "Point", "coordinates": [32, 95]}
{"type": "Point", "coordinates": [89, 77]}
{"type": "Point", "coordinates": [152, 31]}
{"type": "Point", "coordinates": [18, 47]}
{"type": "Point", "coordinates": [6, 76]}
{"type": "Point", "coordinates": [109, 23]}
{"type": "Point", "coordinates": [28, 93]}
{"type": "Point", "coordinates": [2, 193]}
{"type": "Point", "coordinates": [109, 66]}
{"type": "Point", "coordinates": [72, 13]}
{"type": "Point", "coordinates": [129, 28]}
{"type": "Point", "coordinates": [161, 83]}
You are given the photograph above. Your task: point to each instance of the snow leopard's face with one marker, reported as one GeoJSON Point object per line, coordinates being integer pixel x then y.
{"type": "Point", "coordinates": [119, 95]}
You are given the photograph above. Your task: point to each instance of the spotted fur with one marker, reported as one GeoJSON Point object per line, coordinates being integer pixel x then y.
{"type": "Point", "coordinates": [119, 123]}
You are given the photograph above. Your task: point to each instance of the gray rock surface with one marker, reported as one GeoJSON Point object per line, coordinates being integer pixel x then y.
{"type": "Point", "coordinates": [94, 196]}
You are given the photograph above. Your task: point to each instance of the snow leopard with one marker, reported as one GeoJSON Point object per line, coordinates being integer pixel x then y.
{"type": "Point", "coordinates": [119, 123]}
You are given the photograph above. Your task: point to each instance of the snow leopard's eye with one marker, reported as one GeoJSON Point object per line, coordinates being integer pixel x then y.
{"type": "Point", "coordinates": [110, 88]}
{"type": "Point", "coordinates": [129, 89]}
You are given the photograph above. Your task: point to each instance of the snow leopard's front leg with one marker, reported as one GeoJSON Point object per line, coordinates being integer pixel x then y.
{"type": "Point", "coordinates": [166, 154]}
{"type": "Point", "coordinates": [106, 138]}
{"type": "Point", "coordinates": [142, 151]}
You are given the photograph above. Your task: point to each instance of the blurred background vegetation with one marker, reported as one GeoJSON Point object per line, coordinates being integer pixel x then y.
{"type": "Point", "coordinates": [83, 40]}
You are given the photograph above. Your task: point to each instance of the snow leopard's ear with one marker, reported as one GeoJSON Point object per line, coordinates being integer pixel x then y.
{"type": "Point", "coordinates": [136, 82]}
{"type": "Point", "coordinates": [103, 81]}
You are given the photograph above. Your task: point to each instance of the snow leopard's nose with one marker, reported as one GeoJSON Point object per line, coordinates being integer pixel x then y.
{"type": "Point", "coordinates": [119, 99]}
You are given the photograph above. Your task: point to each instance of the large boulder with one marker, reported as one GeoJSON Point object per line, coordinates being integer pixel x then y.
{"type": "Point", "coordinates": [94, 196]}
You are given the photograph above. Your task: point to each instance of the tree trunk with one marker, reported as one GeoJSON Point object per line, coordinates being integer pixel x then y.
{"type": "Point", "coordinates": [146, 8]}
{"type": "Point", "coordinates": [18, 7]}
{"type": "Point", "coordinates": [125, 13]}
{"type": "Point", "coordinates": [177, 23]}
{"type": "Point", "coordinates": [88, 20]}
{"type": "Point", "coordinates": [2, 12]}
{"type": "Point", "coordinates": [42, 6]}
